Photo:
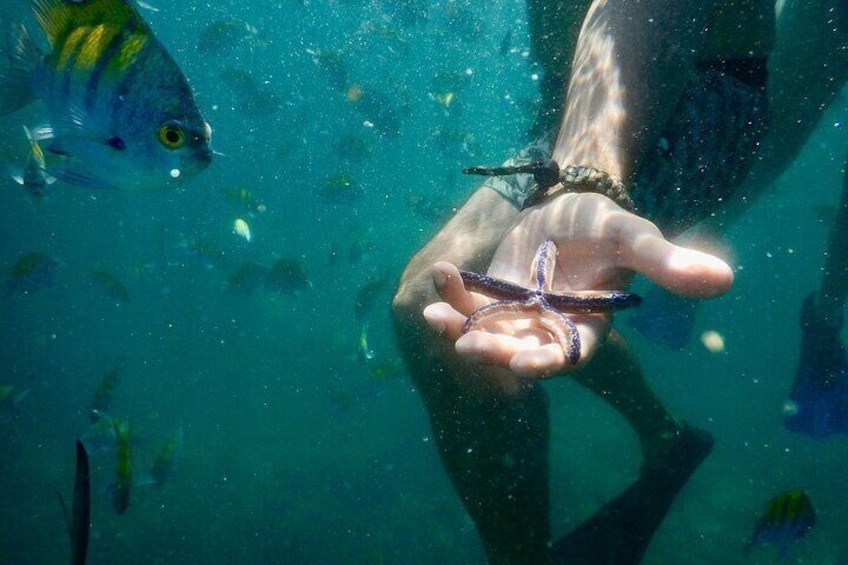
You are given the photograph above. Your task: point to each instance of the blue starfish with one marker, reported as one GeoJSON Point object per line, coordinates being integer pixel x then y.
{"type": "Point", "coordinates": [516, 302]}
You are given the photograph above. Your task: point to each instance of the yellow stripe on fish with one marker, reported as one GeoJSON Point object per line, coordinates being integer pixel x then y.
{"type": "Point", "coordinates": [59, 18]}
{"type": "Point", "coordinates": [94, 46]}
{"type": "Point", "coordinates": [69, 47]}
{"type": "Point", "coordinates": [130, 49]}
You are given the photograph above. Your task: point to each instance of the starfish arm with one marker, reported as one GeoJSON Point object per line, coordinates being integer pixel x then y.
{"type": "Point", "coordinates": [591, 301]}
{"type": "Point", "coordinates": [544, 265]}
{"type": "Point", "coordinates": [564, 332]}
{"type": "Point", "coordinates": [494, 288]}
{"type": "Point", "coordinates": [499, 312]}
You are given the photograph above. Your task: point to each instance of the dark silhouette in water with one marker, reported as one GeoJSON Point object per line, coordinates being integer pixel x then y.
{"type": "Point", "coordinates": [80, 519]}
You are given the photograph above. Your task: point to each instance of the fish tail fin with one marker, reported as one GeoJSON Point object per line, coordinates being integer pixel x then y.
{"type": "Point", "coordinates": [20, 59]}
{"type": "Point", "coordinates": [16, 173]}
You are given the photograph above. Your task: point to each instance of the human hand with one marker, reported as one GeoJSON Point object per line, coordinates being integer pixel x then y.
{"type": "Point", "coordinates": [599, 246]}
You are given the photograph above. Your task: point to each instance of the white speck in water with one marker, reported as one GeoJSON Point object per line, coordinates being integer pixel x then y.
{"type": "Point", "coordinates": [175, 173]}
{"type": "Point", "coordinates": [790, 408]}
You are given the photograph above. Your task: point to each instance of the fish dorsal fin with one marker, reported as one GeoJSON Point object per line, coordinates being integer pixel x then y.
{"type": "Point", "coordinates": [60, 17]}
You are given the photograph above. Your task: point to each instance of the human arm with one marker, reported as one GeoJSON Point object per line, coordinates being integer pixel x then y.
{"type": "Point", "coordinates": [626, 77]}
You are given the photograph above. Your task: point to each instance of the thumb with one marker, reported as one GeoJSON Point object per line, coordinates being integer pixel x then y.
{"type": "Point", "coordinates": [688, 272]}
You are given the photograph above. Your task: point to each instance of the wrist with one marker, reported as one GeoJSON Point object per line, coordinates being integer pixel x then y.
{"type": "Point", "coordinates": [579, 179]}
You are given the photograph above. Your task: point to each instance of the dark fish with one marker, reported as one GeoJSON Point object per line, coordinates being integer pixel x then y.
{"type": "Point", "coordinates": [119, 110]}
{"type": "Point", "coordinates": [506, 44]}
{"type": "Point", "coordinates": [341, 187]}
{"type": "Point", "coordinates": [287, 276]}
{"type": "Point", "coordinates": [788, 517]}
{"type": "Point", "coordinates": [352, 148]}
{"type": "Point", "coordinates": [246, 279]}
{"type": "Point", "coordinates": [9, 401]}
{"type": "Point", "coordinates": [333, 67]}
{"type": "Point", "coordinates": [223, 35]}
{"type": "Point", "coordinates": [111, 286]}
{"type": "Point", "coordinates": [101, 402]}
{"type": "Point", "coordinates": [251, 98]}
{"type": "Point", "coordinates": [818, 403]}
{"type": "Point", "coordinates": [33, 271]}
{"type": "Point", "coordinates": [205, 252]}
{"type": "Point", "coordinates": [367, 296]}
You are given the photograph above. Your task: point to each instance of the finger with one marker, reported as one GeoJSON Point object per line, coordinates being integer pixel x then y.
{"type": "Point", "coordinates": [539, 362]}
{"type": "Point", "coordinates": [489, 348]}
{"type": "Point", "coordinates": [451, 289]}
{"type": "Point", "coordinates": [445, 319]}
{"type": "Point", "coordinates": [682, 270]}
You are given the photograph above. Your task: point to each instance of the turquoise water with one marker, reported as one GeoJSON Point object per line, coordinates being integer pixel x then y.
{"type": "Point", "coordinates": [297, 448]}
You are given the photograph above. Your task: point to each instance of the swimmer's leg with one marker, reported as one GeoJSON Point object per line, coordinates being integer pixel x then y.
{"type": "Point", "coordinates": [620, 532]}
{"type": "Point", "coordinates": [495, 451]}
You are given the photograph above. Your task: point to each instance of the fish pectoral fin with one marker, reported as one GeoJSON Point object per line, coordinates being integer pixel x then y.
{"type": "Point", "coordinates": [73, 172]}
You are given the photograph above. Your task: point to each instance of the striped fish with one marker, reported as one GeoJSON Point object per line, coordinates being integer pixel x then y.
{"type": "Point", "coordinates": [120, 112]}
{"type": "Point", "coordinates": [788, 517]}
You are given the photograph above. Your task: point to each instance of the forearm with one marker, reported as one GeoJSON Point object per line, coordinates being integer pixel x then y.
{"type": "Point", "coordinates": [628, 72]}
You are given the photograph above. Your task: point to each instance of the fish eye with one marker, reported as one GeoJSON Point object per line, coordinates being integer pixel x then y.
{"type": "Point", "coordinates": [172, 135]}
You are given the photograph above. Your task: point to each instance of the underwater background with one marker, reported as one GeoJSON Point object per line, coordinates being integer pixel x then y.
{"type": "Point", "coordinates": [342, 127]}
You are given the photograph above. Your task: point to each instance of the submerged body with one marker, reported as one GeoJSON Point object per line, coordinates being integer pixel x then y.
{"type": "Point", "coordinates": [120, 112]}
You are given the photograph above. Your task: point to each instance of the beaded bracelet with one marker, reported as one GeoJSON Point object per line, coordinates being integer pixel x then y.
{"type": "Point", "coordinates": [551, 181]}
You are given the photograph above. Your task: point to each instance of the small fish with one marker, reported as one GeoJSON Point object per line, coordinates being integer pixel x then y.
{"type": "Point", "coordinates": [123, 467]}
{"type": "Point", "coordinates": [34, 176]}
{"type": "Point", "coordinates": [242, 229]}
{"type": "Point", "coordinates": [506, 44]}
{"type": "Point", "coordinates": [341, 187]}
{"type": "Point", "coordinates": [33, 271]}
{"type": "Point", "coordinates": [119, 109]}
{"type": "Point", "coordinates": [9, 401]}
{"type": "Point", "coordinates": [101, 402]}
{"type": "Point", "coordinates": [788, 517]}
{"type": "Point", "coordinates": [352, 148]}
{"type": "Point", "coordinates": [220, 36]}
{"type": "Point", "coordinates": [287, 276]}
{"type": "Point", "coordinates": [204, 252]}
{"type": "Point", "coordinates": [252, 98]}
{"type": "Point", "coordinates": [246, 279]}
{"type": "Point", "coordinates": [333, 66]}
{"type": "Point", "coordinates": [367, 296]}
{"type": "Point", "coordinates": [163, 465]}
{"type": "Point", "coordinates": [110, 285]}
{"type": "Point", "coordinates": [364, 350]}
